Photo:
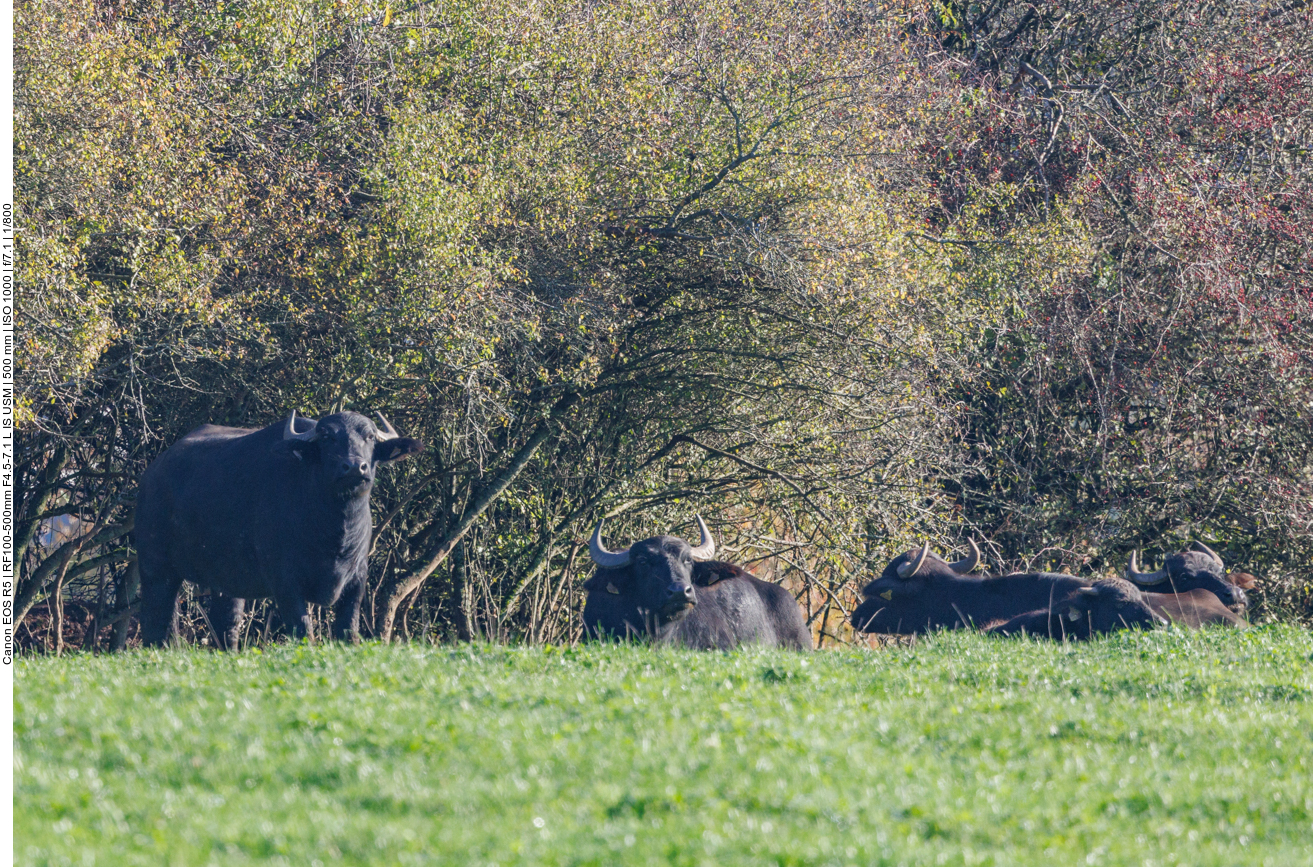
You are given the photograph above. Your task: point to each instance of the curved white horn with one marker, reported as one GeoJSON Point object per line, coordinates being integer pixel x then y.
{"type": "Point", "coordinates": [603, 557]}
{"type": "Point", "coordinates": [289, 429]}
{"type": "Point", "coordinates": [386, 432]}
{"type": "Point", "coordinates": [1204, 549]}
{"type": "Point", "coordinates": [1133, 573]}
{"type": "Point", "coordinates": [966, 564]}
{"type": "Point", "coordinates": [907, 570]}
{"type": "Point", "coordinates": [706, 549]}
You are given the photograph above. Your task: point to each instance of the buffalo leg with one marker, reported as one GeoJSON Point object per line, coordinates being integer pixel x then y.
{"type": "Point", "coordinates": [159, 604]}
{"type": "Point", "coordinates": [296, 616]}
{"type": "Point", "coordinates": [346, 613]}
{"type": "Point", "coordinates": [226, 618]}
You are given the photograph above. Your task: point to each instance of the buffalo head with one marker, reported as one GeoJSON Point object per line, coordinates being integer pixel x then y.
{"type": "Point", "coordinates": [1106, 605]}
{"type": "Point", "coordinates": [345, 449]}
{"type": "Point", "coordinates": [654, 575]}
{"type": "Point", "coordinates": [908, 580]}
{"type": "Point", "coordinates": [1198, 568]}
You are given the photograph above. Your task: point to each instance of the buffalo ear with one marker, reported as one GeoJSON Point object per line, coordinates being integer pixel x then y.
{"type": "Point", "coordinates": [1243, 580]}
{"type": "Point", "coordinates": [708, 572]}
{"type": "Point", "coordinates": [401, 447]}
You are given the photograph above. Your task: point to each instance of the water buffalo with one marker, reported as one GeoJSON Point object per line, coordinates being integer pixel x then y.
{"type": "Point", "coordinates": [1198, 568]}
{"type": "Point", "coordinates": [281, 512]}
{"type": "Point", "coordinates": [666, 591]}
{"type": "Point", "coordinates": [1111, 604]}
{"type": "Point", "coordinates": [919, 592]}
{"type": "Point", "coordinates": [1104, 606]}
{"type": "Point", "coordinates": [1194, 608]}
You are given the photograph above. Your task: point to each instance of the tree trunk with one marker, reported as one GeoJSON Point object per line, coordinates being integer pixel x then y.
{"type": "Point", "coordinates": [57, 596]}
{"type": "Point", "coordinates": [93, 632]}
{"type": "Point", "coordinates": [565, 576]}
{"type": "Point", "coordinates": [123, 620]}
{"type": "Point", "coordinates": [461, 595]}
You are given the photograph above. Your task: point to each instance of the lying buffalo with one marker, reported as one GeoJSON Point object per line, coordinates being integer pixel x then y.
{"type": "Point", "coordinates": [1195, 609]}
{"type": "Point", "coordinates": [1104, 606]}
{"type": "Point", "coordinates": [1198, 568]}
{"type": "Point", "coordinates": [664, 590]}
{"type": "Point", "coordinates": [281, 512]}
{"type": "Point", "coordinates": [919, 592]}
{"type": "Point", "coordinates": [1113, 604]}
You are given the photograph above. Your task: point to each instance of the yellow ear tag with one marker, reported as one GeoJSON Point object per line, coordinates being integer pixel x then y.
{"type": "Point", "coordinates": [1073, 614]}
{"type": "Point", "coordinates": [610, 588]}
{"type": "Point", "coordinates": [888, 594]}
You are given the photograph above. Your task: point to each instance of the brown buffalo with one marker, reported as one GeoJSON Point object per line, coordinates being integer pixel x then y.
{"type": "Point", "coordinates": [1195, 609]}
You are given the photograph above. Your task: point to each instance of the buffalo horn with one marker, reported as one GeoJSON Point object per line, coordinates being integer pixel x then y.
{"type": "Point", "coordinates": [1088, 591]}
{"type": "Point", "coordinates": [1204, 549]}
{"type": "Point", "coordinates": [966, 564]}
{"type": "Point", "coordinates": [1133, 573]}
{"type": "Point", "coordinates": [386, 432]}
{"type": "Point", "coordinates": [907, 570]}
{"type": "Point", "coordinates": [603, 557]}
{"type": "Point", "coordinates": [289, 432]}
{"type": "Point", "coordinates": [706, 548]}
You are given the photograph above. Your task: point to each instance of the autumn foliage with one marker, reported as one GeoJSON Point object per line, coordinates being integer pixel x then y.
{"type": "Point", "coordinates": [839, 276]}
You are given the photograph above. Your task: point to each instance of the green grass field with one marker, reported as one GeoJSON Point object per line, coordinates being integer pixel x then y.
{"type": "Point", "coordinates": [1159, 748]}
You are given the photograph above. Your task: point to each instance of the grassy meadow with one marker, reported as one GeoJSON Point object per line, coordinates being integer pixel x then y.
{"type": "Point", "coordinates": [1159, 748]}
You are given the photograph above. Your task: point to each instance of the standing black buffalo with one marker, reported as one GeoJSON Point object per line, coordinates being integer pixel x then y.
{"type": "Point", "coordinates": [1198, 568]}
{"type": "Point", "coordinates": [1111, 604]}
{"type": "Point", "coordinates": [919, 592]}
{"type": "Point", "coordinates": [258, 513]}
{"type": "Point", "coordinates": [666, 591]}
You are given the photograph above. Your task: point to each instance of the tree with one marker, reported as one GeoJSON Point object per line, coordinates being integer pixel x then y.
{"type": "Point", "coordinates": [1160, 392]}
